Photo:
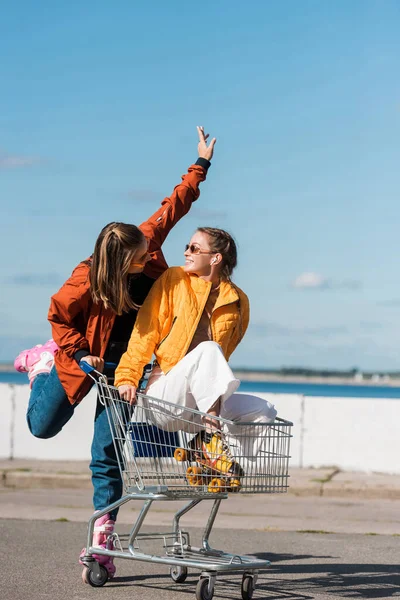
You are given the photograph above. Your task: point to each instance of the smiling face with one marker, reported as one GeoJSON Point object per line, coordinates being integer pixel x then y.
{"type": "Point", "coordinates": [200, 264]}
{"type": "Point", "coordinates": [140, 257]}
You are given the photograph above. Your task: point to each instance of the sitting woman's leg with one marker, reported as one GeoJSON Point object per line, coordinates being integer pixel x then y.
{"type": "Point", "coordinates": [202, 380]}
{"type": "Point", "coordinates": [247, 408]}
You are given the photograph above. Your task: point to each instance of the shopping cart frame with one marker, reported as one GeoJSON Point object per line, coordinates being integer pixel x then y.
{"type": "Point", "coordinates": [179, 554]}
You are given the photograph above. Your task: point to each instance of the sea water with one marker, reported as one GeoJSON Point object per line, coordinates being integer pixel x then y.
{"type": "Point", "coordinates": [279, 387]}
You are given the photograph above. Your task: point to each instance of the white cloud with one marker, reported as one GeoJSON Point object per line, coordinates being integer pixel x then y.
{"type": "Point", "coordinates": [314, 281]}
{"type": "Point", "coordinates": [310, 280]}
{"type": "Point", "coordinates": [9, 161]}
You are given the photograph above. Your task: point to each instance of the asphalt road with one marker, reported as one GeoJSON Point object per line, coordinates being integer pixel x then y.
{"type": "Point", "coordinates": [266, 512]}
{"type": "Point", "coordinates": [39, 561]}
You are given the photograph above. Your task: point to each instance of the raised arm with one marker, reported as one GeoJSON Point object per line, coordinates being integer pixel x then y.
{"type": "Point", "coordinates": [174, 207]}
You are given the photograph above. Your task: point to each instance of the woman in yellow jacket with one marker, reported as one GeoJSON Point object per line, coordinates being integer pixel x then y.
{"type": "Point", "coordinates": [192, 320]}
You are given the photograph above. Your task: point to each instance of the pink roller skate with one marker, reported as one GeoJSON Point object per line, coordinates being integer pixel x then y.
{"type": "Point", "coordinates": [39, 359]}
{"type": "Point", "coordinates": [27, 358]}
{"type": "Point", "coordinates": [103, 529]}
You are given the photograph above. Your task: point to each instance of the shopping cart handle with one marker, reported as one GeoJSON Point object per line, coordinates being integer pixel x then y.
{"type": "Point", "coordinates": [89, 369]}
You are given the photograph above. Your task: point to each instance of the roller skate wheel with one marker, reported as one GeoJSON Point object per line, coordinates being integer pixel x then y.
{"type": "Point", "coordinates": [194, 476]}
{"type": "Point", "coordinates": [216, 486]}
{"type": "Point", "coordinates": [234, 485]}
{"type": "Point", "coordinates": [180, 454]}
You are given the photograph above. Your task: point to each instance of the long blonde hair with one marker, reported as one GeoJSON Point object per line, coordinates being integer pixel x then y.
{"type": "Point", "coordinates": [112, 257]}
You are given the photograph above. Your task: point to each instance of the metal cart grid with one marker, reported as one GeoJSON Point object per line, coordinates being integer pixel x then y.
{"type": "Point", "coordinates": [154, 442]}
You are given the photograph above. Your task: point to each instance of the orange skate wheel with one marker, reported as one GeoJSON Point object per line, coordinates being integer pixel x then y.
{"type": "Point", "coordinates": [194, 476]}
{"type": "Point", "coordinates": [216, 486]}
{"type": "Point", "coordinates": [234, 485]}
{"type": "Point", "coordinates": [180, 454]}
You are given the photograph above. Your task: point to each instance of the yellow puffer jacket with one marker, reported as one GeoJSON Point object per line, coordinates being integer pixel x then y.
{"type": "Point", "coordinates": [168, 320]}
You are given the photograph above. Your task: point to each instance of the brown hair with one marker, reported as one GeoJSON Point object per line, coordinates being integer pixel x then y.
{"type": "Point", "coordinates": [112, 257]}
{"type": "Point", "coordinates": [222, 242]}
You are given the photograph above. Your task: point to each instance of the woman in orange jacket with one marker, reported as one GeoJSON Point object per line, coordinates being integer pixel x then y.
{"type": "Point", "coordinates": [192, 320]}
{"type": "Point", "coordinates": [92, 316]}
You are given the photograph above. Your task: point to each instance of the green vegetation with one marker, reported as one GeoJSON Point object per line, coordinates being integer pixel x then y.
{"type": "Point", "coordinates": [349, 374]}
{"type": "Point", "coordinates": [314, 531]}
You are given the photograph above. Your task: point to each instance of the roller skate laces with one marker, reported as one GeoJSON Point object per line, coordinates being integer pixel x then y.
{"type": "Point", "coordinates": [102, 538]}
{"type": "Point", "coordinates": [213, 452]}
{"type": "Point", "coordinates": [215, 467]}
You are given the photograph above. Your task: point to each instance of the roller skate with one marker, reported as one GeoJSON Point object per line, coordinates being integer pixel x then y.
{"type": "Point", "coordinates": [215, 465]}
{"type": "Point", "coordinates": [36, 360]}
{"type": "Point", "coordinates": [28, 358]}
{"type": "Point", "coordinates": [102, 538]}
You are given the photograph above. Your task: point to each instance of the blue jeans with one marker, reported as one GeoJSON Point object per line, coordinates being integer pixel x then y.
{"type": "Point", "coordinates": [49, 410]}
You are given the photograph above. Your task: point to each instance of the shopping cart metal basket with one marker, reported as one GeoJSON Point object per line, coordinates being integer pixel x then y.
{"type": "Point", "coordinates": [166, 452]}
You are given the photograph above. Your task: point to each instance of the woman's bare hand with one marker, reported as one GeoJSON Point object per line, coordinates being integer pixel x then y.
{"type": "Point", "coordinates": [204, 150]}
{"type": "Point", "coordinates": [128, 393]}
{"type": "Point", "coordinates": [95, 361]}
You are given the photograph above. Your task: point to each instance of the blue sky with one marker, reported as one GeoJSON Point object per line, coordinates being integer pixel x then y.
{"type": "Point", "coordinates": [99, 105]}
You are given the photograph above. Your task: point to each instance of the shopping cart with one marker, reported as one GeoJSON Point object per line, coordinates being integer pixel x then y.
{"type": "Point", "coordinates": [163, 455]}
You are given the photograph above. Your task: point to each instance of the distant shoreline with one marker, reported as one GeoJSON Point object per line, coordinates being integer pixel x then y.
{"type": "Point", "coordinates": [247, 375]}
{"type": "Point", "coordinates": [259, 376]}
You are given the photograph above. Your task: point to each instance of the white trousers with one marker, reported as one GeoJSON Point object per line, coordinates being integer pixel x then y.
{"type": "Point", "coordinates": [201, 378]}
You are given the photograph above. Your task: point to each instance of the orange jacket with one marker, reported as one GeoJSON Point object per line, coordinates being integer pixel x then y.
{"type": "Point", "coordinates": [168, 320]}
{"type": "Point", "coordinates": [77, 323]}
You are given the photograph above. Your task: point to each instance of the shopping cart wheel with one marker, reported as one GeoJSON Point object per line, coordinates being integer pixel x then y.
{"type": "Point", "coordinates": [178, 573]}
{"type": "Point", "coordinates": [180, 454]}
{"type": "Point", "coordinates": [204, 589]}
{"type": "Point", "coordinates": [194, 475]}
{"type": "Point", "coordinates": [247, 587]}
{"type": "Point", "coordinates": [93, 579]}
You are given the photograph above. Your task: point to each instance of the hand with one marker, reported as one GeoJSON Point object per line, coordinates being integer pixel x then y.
{"type": "Point", "coordinates": [128, 393]}
{"type": "Point", "coordinates": [95, 361]}
{"type": "Point", "coordinates": [204, 150]}
{"type": "Point", "coordinates": [212, 423]}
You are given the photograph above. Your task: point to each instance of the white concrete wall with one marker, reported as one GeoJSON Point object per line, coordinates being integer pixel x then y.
{"type": "Point", "coordinates": [16, 441]}
{"type": "Point", "coordinates": [358, 434]}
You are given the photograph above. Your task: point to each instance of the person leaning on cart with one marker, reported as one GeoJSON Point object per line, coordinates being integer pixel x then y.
{"type": "Point", "coordinates": [192, 320]}
{"type": "Point", "coordinates": [91, 317]}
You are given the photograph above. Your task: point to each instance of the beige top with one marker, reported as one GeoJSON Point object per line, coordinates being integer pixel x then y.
{"type": "Point", "coordinates": [203, 332]}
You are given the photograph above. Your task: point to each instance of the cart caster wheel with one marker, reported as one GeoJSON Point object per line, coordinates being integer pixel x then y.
{"type": "Point", "coordinates": [202, 590]}
{"type": "Point", "coordinates": [180, 454]}
{"type": "Point", "coordinates": [216, 486]}
{"type": "Point", "coordinates": [88, 576]}
{"type": "Point", "coordinates": [235, 485]}
{"type": "Point", "coordinates": [178, 573]}
{"type": "Point", "coordinates": [194, 476]}
{"type": "Point", "coordinates": [247, 587]}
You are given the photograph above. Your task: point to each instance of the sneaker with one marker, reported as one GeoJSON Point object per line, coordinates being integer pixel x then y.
{"type": "Point", "coordinates": [215, 453]}
{"type": "Point", "coordinates": [43, 365]}
{"type": "Point", "coordinates": [102, 538]}
{"type": "Point", "coordinates": [27, 358]}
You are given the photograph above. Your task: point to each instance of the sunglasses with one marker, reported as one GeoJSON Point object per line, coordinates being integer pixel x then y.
{"type": "Point", "coordinates": [193, 249]}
